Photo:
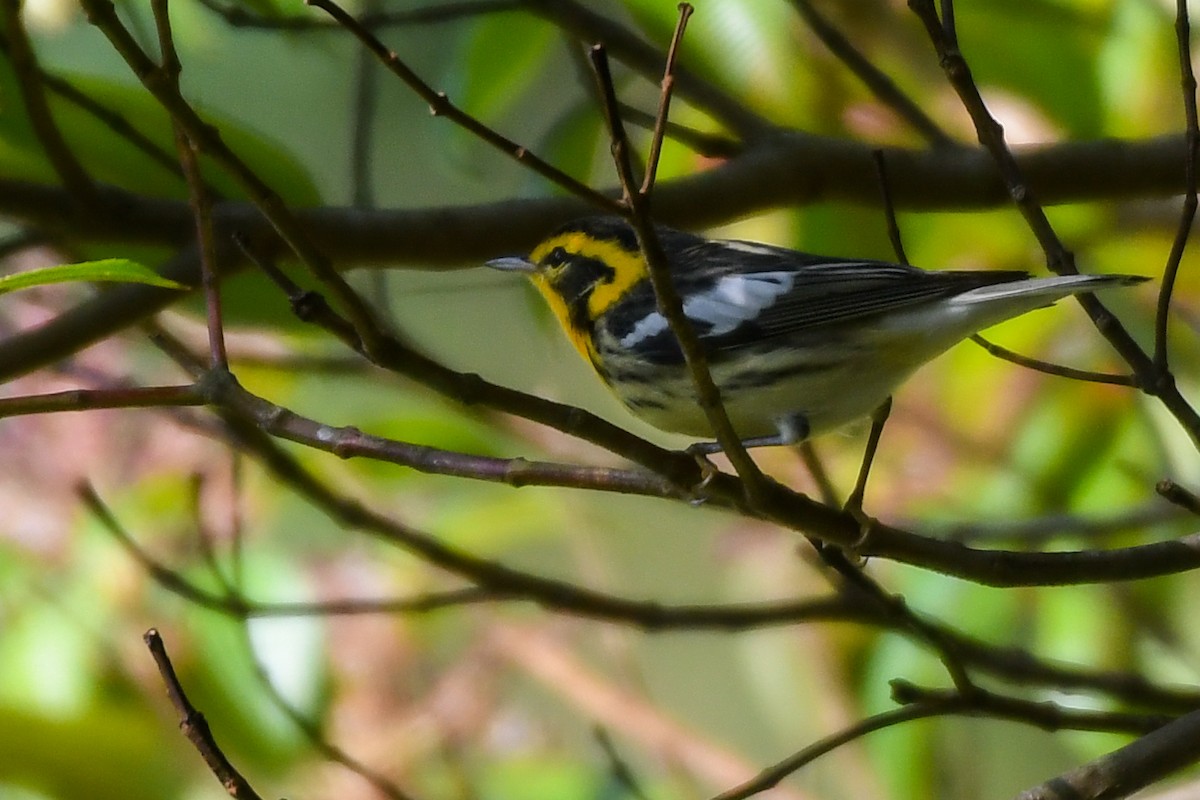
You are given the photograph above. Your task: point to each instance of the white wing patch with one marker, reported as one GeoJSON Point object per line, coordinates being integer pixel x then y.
{"type": "Point", "coordinates": [648, 326]}
{"type": "Point", "coordinates": [737, 298]}
{"type": "Point", "coordinates": [750, 247]}
{"type": "Point", "coordinates": [733, 300]}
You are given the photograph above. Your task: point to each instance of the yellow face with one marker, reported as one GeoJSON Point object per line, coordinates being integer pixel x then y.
{"type": "Point", "coordinates": [581, 277]}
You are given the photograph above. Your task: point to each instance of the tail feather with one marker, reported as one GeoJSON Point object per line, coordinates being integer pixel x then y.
{"type": "Point", "coordinates": [1049, 289]}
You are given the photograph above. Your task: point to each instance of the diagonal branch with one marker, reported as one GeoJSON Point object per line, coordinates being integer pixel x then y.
{"type": "Point", "coordinates": [877, 81]}
{"type": "Point", "coordinates": [1150, 378]}
{"type": "Point", "coordinates": [440, 106]}
{"type": "Point", "coordinates": [70, 171]}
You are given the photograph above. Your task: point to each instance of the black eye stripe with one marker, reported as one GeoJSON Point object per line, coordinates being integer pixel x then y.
{"type": "Point", "coordinates": [580, 277]}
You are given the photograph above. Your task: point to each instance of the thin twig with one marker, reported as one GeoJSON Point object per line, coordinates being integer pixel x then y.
{"type": "Point", "coordinates": [441, 106]}
{"type": "Point", "coordinates": [115, 122]}
{"type": "Point", "coordinates": [1046, 527]}
{"type": "Point", "coordinates": [669, 302]}
{"type": "Point", "coordinates": [195, 727]}
{"type": "Point", "coordinates": [617, 767]}
{"type": "Point", "coordinates": [1150, 379]}
{"type": "Point", "coordinates": [709, 145]}
{"type": "Point", "coordinates": [239, 17]}
{"type": "Point", "coordinates": [889, 206]}
{"type": "Point", "coordinates": [1187, 214]}
{"type": "Point", "coordinates": [198, 196]}
{"type": "Point", "coordinates": [1134, 766]}
{"type": "Point", "coordinates": [67, 166]}
{"type": "Point", "coordinates": [365, 109]}
{"type": "Point", "coordinates": [311, 730]}
{"type": "Point", "coordinates": [666, 89]}
{"type": "Point", "coordinates": [1178, 495]}
{"type": "Point", "coordinates": [877, 81]}
{"type": "Point", "coordinates": [771, 776]}
{"type": "Point", "coordinates": [1049, 368]}
{"type": "Point", "coordinates": [206, 139]}
{"type": "Point", "coordinates": [1046, 715]}
{"type": "Point", "coordinates": [92, 399]}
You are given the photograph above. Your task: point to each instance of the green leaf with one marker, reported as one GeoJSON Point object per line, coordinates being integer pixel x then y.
{"type": "Point", "coordinates": [110, 157]}
{"type": "Point", "coordinates": [120, 270]}
{"type": "Point", "coordinates": [501, 59]}
{"type": "Point", "coordinates": [1049, 56]}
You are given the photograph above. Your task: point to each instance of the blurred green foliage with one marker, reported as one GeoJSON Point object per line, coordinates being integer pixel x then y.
{"type": "Point", "coordinates": [432, 700]}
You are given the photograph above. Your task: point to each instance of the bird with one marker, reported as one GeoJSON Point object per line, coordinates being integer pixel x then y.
{"type": "Point", "coordinates": [798, 344]}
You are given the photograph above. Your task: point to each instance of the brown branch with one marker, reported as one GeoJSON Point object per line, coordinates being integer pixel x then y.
{"type": "Point", "coordinates": [1042, 714]}
{"type": "Point", "coordinates": [877, 81]}
{"type": "Point", "coordinates": [771, 776]}
{"type": "Point", "coordinates": [222, 389]}
{"type": "Point", "coordinates": [92, 399]}
{"type": "Point", "coordinates": [1178, 495]}
{"type": "Point", "coordinates": [206, 139]}
{"type": "Point", "coordinates": [195, 727]}
{"type": "Point", "coordinates": [198, 196]}
{"type": "Point", "coordinates": [669, 302]}
{"type": "Point", "coordinates": [1134, 766]}
{"type": "Point", "coordinates": [1187, 215]}
{"type": "Point", "coordinates": [792, 168]}
{"type": "Point", "coordinates": [239, 17]}
{"type": "Point", "coordinates": [440, 106]}
{"type": "Point", "coordinates": [1049, 368]}
{"type": "Point", "coordinates": [1152, 380]}
{"type": "Point", "coordinates": [68, 168]}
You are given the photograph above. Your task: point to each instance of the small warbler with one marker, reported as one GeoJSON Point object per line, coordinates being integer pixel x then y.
{"type": "Point", "coordinates": [797, 344]}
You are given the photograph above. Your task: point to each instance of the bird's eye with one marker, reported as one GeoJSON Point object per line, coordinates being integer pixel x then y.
{"type": "Point", "coordinates": [556, 258]}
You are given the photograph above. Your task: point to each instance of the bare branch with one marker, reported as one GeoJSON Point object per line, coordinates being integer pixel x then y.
{"type": "Point", "coordinates": [195, 727]}
{"type": "Point", "coordinates": [70, 171]}
{"type": "Point", "coordinates": [877, 81]}
{"type": "Point", "coordinates": [1187, 214]}
{"type": "Point", "coordinates": [440, 106]}
{"type": "Point", "coordinates": [1136, 765]}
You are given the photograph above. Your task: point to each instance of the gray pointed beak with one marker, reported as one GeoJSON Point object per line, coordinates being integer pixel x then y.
{"type": "Point", "coordinates": [512, 264]}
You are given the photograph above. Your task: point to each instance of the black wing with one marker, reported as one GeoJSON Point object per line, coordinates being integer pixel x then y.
{"type": "Point", "coordinates": [741, 293]}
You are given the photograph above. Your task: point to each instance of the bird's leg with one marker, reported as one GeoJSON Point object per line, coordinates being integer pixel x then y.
{"type": "Point", "coordinates": [792, 429]}
{"type": "Point", "coordinates": [854, 503]}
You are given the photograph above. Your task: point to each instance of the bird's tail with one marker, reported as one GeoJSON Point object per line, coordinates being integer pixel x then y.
{"type": "Point", "coordinates": [1047, 290]}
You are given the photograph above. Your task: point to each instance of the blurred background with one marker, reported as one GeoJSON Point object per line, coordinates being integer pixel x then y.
{"type": "Point", "coordinates": [505, 699]}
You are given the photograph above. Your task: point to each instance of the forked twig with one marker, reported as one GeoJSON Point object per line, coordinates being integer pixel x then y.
{"type": "Point", "coordinates": [1150, 378]}
{"type": "Point", "coordinates": [638, 201]}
